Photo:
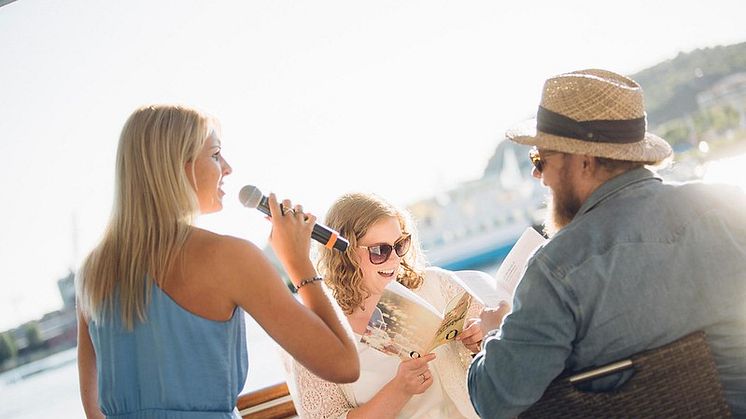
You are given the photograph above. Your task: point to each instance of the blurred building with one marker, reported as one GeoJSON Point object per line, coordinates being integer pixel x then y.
{"type": "Point", "coordinates": [730, 90]}
{"type": "Point", "coordinates": [476, 223]}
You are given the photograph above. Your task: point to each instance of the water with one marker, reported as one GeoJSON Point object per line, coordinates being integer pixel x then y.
{"type": "Point", "coordinates": [53, 390]}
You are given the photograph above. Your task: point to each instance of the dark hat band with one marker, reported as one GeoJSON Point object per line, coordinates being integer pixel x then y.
{"type": "Point", "coordinates": [621, 131]}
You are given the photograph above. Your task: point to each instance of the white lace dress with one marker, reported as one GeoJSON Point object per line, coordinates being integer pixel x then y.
{"type": "Point", "coordinates": [447, 397]}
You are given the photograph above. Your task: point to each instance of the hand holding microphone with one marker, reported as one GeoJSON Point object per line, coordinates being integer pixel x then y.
{"type": "Point", "coordinates": [251, 197]}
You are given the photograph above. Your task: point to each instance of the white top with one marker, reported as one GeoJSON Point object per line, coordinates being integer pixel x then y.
{"type": "Point", "coordinates": [447, 397]}
{"type": "Point", "coordinates": [377, 369]}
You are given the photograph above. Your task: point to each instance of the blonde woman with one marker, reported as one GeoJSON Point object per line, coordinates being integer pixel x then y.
{"type": "Point", "coordinates": [383, 248]}
{"type": "Point", "coordinates": [161, 302]}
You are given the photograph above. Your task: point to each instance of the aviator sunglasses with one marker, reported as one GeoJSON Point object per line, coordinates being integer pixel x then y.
{"type": "Point", "coordinates": [536, 159]}
{"type": "Point", "coordinates": [380, 252]}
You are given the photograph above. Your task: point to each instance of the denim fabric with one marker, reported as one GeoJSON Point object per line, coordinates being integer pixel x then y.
{"type": "Point", "coordinates": [642, 264]}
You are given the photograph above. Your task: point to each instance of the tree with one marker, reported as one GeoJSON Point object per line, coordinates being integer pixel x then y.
{"type": "Point", "coordinates": [8, 347]}
{"type": "Point", "coordinates": [676, 132]}
{"type": "Point", "coordinates": [33, 335]}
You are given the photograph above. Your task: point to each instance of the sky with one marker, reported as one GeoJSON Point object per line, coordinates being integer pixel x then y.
{"type": "Point", "coordinates": [317, 98]}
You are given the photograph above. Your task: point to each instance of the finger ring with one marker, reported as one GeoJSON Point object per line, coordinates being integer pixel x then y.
{"type": "Point", "coordinates": [286, 210]}
{"type": "Point", "coordinates": [423, 377]}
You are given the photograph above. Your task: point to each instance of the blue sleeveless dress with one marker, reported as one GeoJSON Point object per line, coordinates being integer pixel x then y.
{"type": "Point", "coordinates": [175, 365]}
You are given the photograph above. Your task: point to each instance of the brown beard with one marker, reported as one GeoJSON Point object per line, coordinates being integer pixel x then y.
{"type": "Point", "coordinates": [562, 206]}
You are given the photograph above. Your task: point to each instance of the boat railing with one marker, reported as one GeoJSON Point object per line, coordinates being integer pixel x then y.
{"type": "Point", "coordinates": [273, 402]}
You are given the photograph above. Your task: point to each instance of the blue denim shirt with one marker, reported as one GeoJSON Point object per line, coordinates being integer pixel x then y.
{"type": "Point", "coordinates": [642, 264]}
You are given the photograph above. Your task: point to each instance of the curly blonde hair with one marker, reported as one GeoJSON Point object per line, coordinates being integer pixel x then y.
{"type": "Point", "coordinates": [352, 215]}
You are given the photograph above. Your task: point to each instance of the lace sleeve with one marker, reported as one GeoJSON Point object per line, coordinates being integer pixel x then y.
{"type": "Point", "coordinates": [313, 397]}
{"type": "Point", "coordinates": [475, 308]}
{"type": "Point", "coordinates": [453, 358]}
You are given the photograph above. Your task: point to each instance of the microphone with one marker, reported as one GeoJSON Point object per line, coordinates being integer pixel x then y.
{"type": "Point", "coordinates": [251, 197]}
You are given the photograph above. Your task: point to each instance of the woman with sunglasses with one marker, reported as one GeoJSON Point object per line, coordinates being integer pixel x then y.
{"type": "Point", "coordinates": [383, 248]}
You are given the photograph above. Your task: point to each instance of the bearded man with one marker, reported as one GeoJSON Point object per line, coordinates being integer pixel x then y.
{"type": "Point", "coordinates": [632, 263]}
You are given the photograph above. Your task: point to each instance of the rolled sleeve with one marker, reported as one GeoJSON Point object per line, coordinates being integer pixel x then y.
{"type": "Point", "coordinates": [514, 369]}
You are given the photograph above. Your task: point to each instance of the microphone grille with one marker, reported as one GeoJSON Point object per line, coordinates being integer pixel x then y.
{"type": "Point", "coordinates": [250, 196]}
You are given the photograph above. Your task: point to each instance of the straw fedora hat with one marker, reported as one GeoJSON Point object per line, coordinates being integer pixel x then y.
{"type": "Point", "coordinates": [596, 113]}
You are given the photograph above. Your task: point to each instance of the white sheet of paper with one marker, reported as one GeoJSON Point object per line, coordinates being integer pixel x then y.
{"type": "Point", "coordinates": [407, 294]}
{"type": "Point", "coordinates": [482, 286]}
{"type": "Point", "coordinates": [491, 290]}
{"type": "Point", "coordinates": [511, 270]}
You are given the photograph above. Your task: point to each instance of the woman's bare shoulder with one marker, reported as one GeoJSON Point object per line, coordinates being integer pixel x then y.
{"type": "Point", "coordinates": [221, 245]}
{"type": "Point", "coordinates": [225, 256]}
{"type": "Point", "coordinates": [232, 261]}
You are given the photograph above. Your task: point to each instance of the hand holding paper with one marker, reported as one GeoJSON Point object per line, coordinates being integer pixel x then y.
{"type": "Point", "coordinates": [492, 318]}
{"type": "Point", "coordinates": [472, 335]}
{"type": "Point", "coordinates": [409, 327]}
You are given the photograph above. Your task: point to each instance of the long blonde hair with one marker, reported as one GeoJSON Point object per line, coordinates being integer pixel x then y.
{"type": "Point", "coordinates": [154, 206]}
{"type": "Point", "coordinates": [352, 215]}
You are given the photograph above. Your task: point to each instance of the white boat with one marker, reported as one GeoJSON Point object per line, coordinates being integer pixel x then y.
{"type": "Point", "coordinates": [476, 223]}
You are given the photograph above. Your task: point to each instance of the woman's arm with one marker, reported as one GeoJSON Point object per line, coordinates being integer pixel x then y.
{"type": "Point", "coordinates": [310, 332]}
{"type": "Point", "coordinates": [316, 398]}
{"type": "Point", "coordinates": [87, 371]}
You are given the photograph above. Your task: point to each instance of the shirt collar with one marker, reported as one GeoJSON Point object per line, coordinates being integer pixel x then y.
{"type": "Point", "coordinates": [616, 184]}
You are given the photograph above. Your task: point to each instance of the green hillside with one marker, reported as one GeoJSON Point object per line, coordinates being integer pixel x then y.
{"type": "Point", "coordinates": [671, 87]}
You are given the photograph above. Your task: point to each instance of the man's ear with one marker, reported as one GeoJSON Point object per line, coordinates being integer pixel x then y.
{"type": "Point", "coordinates": [590, 167]}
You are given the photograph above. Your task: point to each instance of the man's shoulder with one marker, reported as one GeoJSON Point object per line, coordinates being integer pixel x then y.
{"type": "Point", "coordinates": [680, 205]}
{"type": "Point", "coordinates": [570, 246]}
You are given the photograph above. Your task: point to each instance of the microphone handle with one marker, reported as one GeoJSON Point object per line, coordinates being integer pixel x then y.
{"type": "Point", "coordinates": [264, 206]}
{"type": "Point", "coordinates": [322, 234]}
{"type": "Point", "coordinates": [329, 238]}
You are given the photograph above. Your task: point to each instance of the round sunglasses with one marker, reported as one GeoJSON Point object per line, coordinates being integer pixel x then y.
{"type": "Point", "coordinates": [537, 160]}
{"type": "Point", "coordinates": [380, 252]}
